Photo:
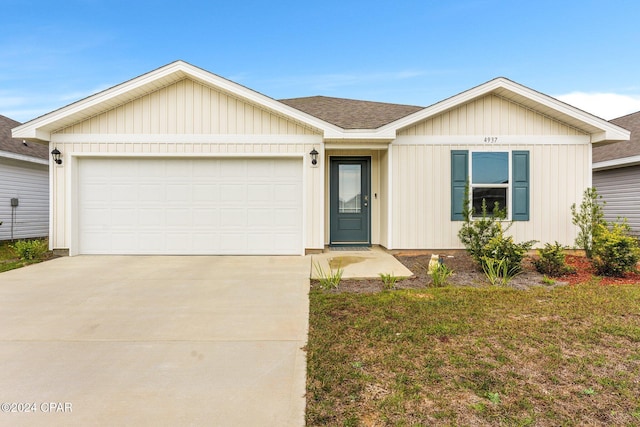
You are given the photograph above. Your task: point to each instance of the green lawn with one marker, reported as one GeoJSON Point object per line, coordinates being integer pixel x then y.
{"type": "Point", "coordinates": [569, 356]}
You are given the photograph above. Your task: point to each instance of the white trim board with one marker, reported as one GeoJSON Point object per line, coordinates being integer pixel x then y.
{"type": "Point", "coordinates": [616, 163]}
{"type": "Point", "coordinates": [488, 141]}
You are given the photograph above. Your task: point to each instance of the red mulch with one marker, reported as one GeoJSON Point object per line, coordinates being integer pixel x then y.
{"type": "Point", "coordinates": [585, 273]}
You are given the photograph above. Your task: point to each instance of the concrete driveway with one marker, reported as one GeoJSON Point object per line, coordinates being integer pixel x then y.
{"type": "Point", "coordinates": [137, 340]}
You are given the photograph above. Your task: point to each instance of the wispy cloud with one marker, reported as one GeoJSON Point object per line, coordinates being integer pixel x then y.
{"type": "Point", "coordinates": [605, 105]}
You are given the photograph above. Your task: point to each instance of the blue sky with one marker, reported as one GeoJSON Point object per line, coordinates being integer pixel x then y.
{"type": "Point", "coordinates": [587, 53]}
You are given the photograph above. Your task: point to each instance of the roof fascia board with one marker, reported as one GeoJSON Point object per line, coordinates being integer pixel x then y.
{"type": "Point", "coordinates": [32, 129]}
{"type": "Point", "coordinates": [609, 130]}
{"type": "Point", "coordinates": [616, 163]}
{"type": "Point", "coordinates": [22, 157]}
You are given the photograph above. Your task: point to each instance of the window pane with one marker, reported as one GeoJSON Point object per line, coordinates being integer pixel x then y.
{"type": "Point", "coordinates": [349, 191]}
{"type": "Point", "coordinates": [490, 168]}
{"type": "Point", "coordinates": [491, 196]}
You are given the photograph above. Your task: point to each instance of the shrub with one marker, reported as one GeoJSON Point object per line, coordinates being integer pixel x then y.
{"type": "Point", "coordinates": [501, 248]}
{"type": "Point", "coordinates": [588, 218]}
{"type": "Point", "coordinates": [439, 274]}
{"type": "Point", "coordinates": [29, 250]}
{"type": "Point", "coordinates": [615, 252]}
{"type": "Point", "coordinates": [476, 233]}
{"type": "Point", "coordinates": [552, 260]}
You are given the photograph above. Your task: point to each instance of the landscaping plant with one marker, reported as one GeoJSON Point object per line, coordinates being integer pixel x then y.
{"type": "Point", "coordinates": [503, 248]}
{"type": "Point", "coordinates": [484, 239]}
{"type": "Point", "coordinates": [552, 260]}
{"type": "Point", "coordinates": [29, 250]}
{"type": "Point", "coordinates": [439, 274]}
{"type": "Point", "coordinates": [497, 271]}
{"type": "Point", "coordinates": [588, 218]}
{"type": "Point", "coordinates": [329, 280]}
{"type": "Point", "coordinates": [615, 252]}
{"type": "Point", "coordinates": [389, 281]}
{"type": "Point", "coordinates": [476, 233]}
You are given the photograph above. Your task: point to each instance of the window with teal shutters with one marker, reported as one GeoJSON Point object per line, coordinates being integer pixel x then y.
{"type": "Point", "coordinates": [459, 176]}
{"type": "Point", "coordinates": [520, 189]}
{"type": "Point", "coordinates": [519, 182]}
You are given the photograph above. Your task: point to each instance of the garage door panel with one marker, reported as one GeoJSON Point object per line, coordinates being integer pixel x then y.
{"type": "Point", "coordinates": [233, 217]}
{"type": "Point", "coordinates": [190, 206]}
{"type": "Point", "coordinates": [232, 193]}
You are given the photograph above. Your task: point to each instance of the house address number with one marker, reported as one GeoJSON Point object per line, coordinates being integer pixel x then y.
{"type": "Point", "coordinates": [491, 139]}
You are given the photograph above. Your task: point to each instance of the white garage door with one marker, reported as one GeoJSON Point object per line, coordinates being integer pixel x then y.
{"type": "Point", "coordinates": [189, 206]}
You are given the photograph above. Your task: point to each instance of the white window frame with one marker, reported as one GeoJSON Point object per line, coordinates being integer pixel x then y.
{"type": "Point", "coordinates": [507, 186]}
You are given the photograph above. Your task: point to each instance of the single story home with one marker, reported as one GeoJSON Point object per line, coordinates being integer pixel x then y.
{"type": "Point", "coordinates": [616, 174]}
{"type": "Point", "coordinates": [182, 161]}
{"type": "Point", "coordinates": [24, 186]}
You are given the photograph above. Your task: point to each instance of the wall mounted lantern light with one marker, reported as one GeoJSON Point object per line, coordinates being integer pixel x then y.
{"type": "Point", "coordinates": [55, 153]}
{"type": "Point", "coordinates": [314, 156]}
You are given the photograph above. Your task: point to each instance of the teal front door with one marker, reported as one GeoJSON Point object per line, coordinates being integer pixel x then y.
{"type": "Point", "coordinates": [350, 201]}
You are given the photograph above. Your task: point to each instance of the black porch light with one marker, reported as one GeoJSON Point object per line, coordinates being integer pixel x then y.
{"type": "Point", "coordinates": [314, 156]}
{"type": "Point", "coordinates": [55, 153]}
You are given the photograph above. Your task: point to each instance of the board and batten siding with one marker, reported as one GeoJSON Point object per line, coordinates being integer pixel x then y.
{"type": "Point", "coordinates": [62, 176]}
{"type": "Point", "coordinates": [490, 115]}
{"type": "Point", "coordinates": [421, 206]}
{"type": "Point", "coordinates": [29, 183]}
{"type": "Point", "coordinates": [620, 190]}
{"type": "Point", "coordinates": [188, 107]}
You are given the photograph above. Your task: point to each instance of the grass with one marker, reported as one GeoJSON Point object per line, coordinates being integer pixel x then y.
{"type": "Point", "coordinates": [9, 259]}
{"type": "Point", "coordinates": [569, 356]}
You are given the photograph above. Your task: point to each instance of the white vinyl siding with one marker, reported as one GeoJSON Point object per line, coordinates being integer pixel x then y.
{"type": "Point", "coordinates": [620, 189]}
{"type": "Point", "coordinates": [490, 115]}
{"type": "Point", "coordinates": [422, 195]}
{"type": "Point", "coordinates": [188, 107]}
{"type": "Point", "coordinates": [29, 183]}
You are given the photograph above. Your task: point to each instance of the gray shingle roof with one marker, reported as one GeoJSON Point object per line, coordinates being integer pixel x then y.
{"type": "Point", "coordinates": [622, 149]}
{"type": "Point", "coordinates": [351, 113]}
{"type": "Point", "coordinates": [16, 146]}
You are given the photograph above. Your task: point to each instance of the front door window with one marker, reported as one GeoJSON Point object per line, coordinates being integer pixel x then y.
{"type": "Point", "coordinates": [350, 188]}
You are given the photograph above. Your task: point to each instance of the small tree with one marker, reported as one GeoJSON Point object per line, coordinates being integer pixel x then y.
{"type": "Point", "coordinates": [476, 233]}
{"type": "Point", "coordinates": [588, 219]}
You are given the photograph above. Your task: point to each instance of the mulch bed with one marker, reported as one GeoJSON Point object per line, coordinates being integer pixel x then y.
{"type": "Point", "coordinates": [585, 273]}
{"type": "Point", "coordinates": [467, 273]}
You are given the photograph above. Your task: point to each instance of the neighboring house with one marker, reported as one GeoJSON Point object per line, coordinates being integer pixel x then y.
{"type": "Point", "coordinates": [616, 174]}
{"type": "Point", "coordinates": [24, 185]}
{"type": "Point", "coordinates": [182, 161]}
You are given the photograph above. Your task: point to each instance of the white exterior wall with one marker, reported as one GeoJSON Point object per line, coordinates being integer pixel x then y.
{"type": "Point", "coordinates": [64, 211]}
{"type": "Point", "coordinates": [187, 107]}
{"type": "Point", "coordinates": [560, 165]}
{"type": "Point", "coordinates": [421, 183]}
{"type": "Point", "coordinates": [29, 183]}
{"type": "Point", "coordinates": [184, 119]}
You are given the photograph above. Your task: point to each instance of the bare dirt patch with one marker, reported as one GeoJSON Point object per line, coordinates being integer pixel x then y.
{"type": "Point", "coordinates": [465, 273]}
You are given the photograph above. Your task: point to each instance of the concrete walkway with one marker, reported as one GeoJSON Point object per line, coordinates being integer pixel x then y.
{"type": "Point", "coordinates": [117, 340]}
{"type": "Point", "coordinates": [359, 264]}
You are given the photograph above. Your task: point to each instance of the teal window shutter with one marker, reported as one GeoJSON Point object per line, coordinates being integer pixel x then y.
{"type": "Point", "coordinates": [459, 177]}
{"type": "Point", "coordinates": [520, 189]}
